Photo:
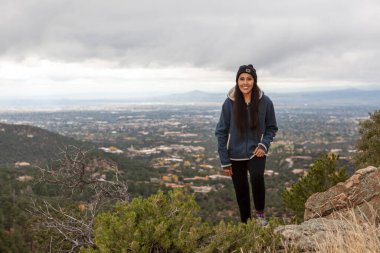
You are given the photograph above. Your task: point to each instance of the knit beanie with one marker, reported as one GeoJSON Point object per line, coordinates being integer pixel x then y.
{"type": "Point", "coordinates": [249, 69]}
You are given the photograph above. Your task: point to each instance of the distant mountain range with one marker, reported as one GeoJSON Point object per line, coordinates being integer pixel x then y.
{"type": "Point", "coordinates": [344, 97]}
{"type": "Point", "coordinates": [335, 97]}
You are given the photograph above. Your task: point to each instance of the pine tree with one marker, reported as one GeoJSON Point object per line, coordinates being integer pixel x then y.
{"type": "Point", "coordinates": [369, 143]}
{"type": "Point", "coordinates": [322, 175]}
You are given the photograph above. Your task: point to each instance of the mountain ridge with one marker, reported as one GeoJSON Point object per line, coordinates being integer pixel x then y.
{"type": "Point", "coordinates": [326, 98]}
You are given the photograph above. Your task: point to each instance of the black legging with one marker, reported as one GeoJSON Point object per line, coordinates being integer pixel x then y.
{"type": "Point", "coordinates": [256, 167]}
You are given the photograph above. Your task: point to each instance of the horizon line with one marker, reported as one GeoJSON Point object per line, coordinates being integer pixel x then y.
{"type": "Point", "coordinates": [117, 96]}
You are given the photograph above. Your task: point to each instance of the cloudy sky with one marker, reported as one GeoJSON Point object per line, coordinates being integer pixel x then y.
{"type": "Point", "coordinates": [124, 48]}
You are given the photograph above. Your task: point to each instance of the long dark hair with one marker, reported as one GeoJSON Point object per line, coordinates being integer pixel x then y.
{"type": "Point", "coordinates": [240, 109]}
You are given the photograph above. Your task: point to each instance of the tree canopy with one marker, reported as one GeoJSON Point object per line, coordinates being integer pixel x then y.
{"type": "Point", "coordinates": [322, 175]}
{"type": "Point", "coordinates": [368, 145]}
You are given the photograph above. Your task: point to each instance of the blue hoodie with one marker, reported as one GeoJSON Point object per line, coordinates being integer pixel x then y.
{"type": "Point", "coordinates": [233, 147]}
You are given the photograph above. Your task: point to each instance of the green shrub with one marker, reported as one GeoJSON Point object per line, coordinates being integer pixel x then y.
{"type": "Point", "coordinates": [160, 223]}
{"type": "Point", "coordinates": [170, 223]}
{"type": "Point", "coordinates": [321, 176]}
{"type": "Point", "coordinates": [369, 143]}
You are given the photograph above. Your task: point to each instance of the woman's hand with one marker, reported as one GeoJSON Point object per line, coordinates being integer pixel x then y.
{"type": "Point", "coordinates": [227, 171]}
{"type": "Point", "coordinates": [259, 151]}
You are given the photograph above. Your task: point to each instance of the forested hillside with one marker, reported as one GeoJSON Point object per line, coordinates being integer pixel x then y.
{"type": "Point", "coordinates": [39, 149]}
{"type": "Point", "coordinates": [23, 143]}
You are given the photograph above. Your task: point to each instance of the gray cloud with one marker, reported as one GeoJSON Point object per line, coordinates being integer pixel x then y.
{"type": "Point", "coordinates": [297, 39]}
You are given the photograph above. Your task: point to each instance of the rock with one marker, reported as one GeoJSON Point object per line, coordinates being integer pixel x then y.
{"type": "Point", "coordinates": [361, 192]}
{"type": "Point", "coordinates": [309, 234]}
{"type": "Point", "coordinates": [333, 210]}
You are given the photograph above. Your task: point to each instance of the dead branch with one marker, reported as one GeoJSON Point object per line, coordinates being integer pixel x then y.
{"type": "Point", "coordinates": [75, 173]}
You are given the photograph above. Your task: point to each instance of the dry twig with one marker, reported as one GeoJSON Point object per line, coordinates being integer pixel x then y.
{"type": "Point", "coordinates": [76, 174]}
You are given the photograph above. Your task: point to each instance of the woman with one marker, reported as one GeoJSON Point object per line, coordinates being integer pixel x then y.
{"type": "Point", "coordinates": [246, 127]}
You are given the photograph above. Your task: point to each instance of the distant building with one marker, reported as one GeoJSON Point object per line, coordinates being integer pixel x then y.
{"type": "Point", "coordinates": [298, 171]}
{"type": "Point", "coordinates": [112, 149]}
{"type": "Point", "coordinates": [301, 157]}
{"type": "Point", "coordinates": [166, 178]}
{"type": "Point", "coordinates": [196, 178]}
{"type": "Point", "coordinates": [270, 173]}
{"type": "Point", "coordinates": [173, 159]}
{"type": "Point", "coordinates": [171, 185]}
{"type": "Point", "coordinates": [179, 134]}
{"type": "Point", "coordinates": [170, 178]}
{"type": "Point", "coordinates": [206, 166]}
{"type": "Point", "coordinates": [216, 177]}
{"type": "Point", "coordinates": [24, 178]}
{"type": "Point", "coordinates": [22, 164]}
{"type": "Point", "coordinates": [172, 133]}
{"type": "Point", "coordinates": [145, 151]}
{"type": "Point", "coordinates": [201, 189]}
{"type": "Point", "coordinates": [188, 135]}
{"type": "Point", "coordinates": [336, 150]}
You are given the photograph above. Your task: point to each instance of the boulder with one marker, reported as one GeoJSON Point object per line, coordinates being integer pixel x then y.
{"type": "Point", "coordinates": [356, 200]}
{"type": "Point", "coordinates": [361, 192]}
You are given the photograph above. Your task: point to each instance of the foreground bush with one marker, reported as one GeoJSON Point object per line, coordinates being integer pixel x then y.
{"type": "Point", "coordinates": [158, 223]}
{"type": "Point", "coordinates": [169, 223]}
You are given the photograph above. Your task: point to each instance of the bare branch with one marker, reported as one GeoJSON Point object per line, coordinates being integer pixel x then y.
{"type": "Point", "coordinates": [75, 173]}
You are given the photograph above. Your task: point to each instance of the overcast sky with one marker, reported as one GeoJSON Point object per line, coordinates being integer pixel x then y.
{"type": "Point", "coordinates": [124, 48]}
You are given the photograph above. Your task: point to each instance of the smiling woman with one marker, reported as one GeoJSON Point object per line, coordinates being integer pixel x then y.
{"type": "Point", "coordinates": [245, 83]}
{"type": "Point", "coordinates": [246, 127]}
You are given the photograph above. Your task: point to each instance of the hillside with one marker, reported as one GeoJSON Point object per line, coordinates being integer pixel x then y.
{"type": "Point", "coordinates": [24, 143]}
{"type": "Point", "coordinates": [19, 186]}
{"type": "Point", "coordinates": [32, 144]}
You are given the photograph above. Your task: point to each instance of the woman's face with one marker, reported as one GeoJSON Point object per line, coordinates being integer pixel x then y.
{"type": "Point", "coordinates": [245, 83]}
